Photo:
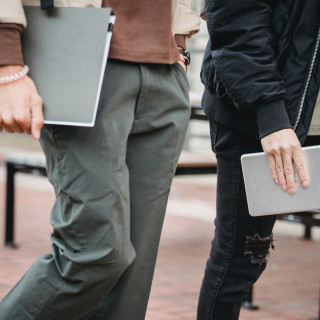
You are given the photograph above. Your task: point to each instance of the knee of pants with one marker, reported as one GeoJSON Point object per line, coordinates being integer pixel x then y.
{"type": "Point", "coordinates": [113, 259]}
{"type": "Point", "coordinates": [87, 235]}
{"type": "Point", "coordinates": [257, 248]}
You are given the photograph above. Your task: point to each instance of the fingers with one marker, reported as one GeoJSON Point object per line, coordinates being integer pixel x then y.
{"type": "Point", "coordinates": [284, 152]}
{"type": "Point", "coordinates": [289, 173]}
{"type": "Point", "coordinates": [21, 108]}
{"type": "Point", "coordinates": [9, 122]}
{"type": "Point", "coordinates": [272, 165]}
{"type": "Point", "coordinates": [301, 169]}
{"type": "Point", "coordinates": [36, 118]}
{"type": "Point", "coordinates": [280, 171]}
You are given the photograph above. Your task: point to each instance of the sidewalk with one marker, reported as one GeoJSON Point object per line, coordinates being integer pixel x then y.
{"type": "Point", "coordinates": [288, 290]}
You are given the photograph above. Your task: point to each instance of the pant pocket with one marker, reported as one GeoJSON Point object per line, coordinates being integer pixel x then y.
{"type": "Point", "coordinates": [182, 78]}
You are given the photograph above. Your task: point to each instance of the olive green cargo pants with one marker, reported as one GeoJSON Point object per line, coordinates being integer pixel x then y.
{"type": "Point", "coordinates": [111, 183]}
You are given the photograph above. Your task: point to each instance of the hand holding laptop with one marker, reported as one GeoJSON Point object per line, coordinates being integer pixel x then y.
{"type": "Point", "coordinates": [20, 104]}
{"type": "Point", "coordinates": [283, 149]}
{"type": "Point", "coordinates": [264, 197]}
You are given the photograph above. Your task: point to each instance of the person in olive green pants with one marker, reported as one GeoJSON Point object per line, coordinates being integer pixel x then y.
{"type": "Point", "coordinates": [111, 181]}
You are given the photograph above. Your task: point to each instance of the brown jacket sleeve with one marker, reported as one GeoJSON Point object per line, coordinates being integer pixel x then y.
{"type": "Point", "coordinates": [10, 48]}
{"type": "Point", "coordinates": [180, 40]}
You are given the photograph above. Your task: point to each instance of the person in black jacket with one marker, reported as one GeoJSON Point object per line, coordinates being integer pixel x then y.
{"type": "Point", "coordinates": [261, 76]}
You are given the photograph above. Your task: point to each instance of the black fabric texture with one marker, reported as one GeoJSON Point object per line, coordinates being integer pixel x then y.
{"type": "Point", "coordinates": [46, 4]}
{"type": "Point", "coordinates": [257, 63]}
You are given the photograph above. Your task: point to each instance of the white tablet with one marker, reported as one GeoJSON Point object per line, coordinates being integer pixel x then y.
{"type": "Point", "coordinates": [265, 197]}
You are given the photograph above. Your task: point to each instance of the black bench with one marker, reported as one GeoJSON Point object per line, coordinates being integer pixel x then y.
{"type": "Point", "coordinates": [34, 163]}
{"type": "Point", "coordinates": [18, 162]}
{"type": "Point", "coordinates": [309, 219]}
{"type": "Point", "coordinates": [189, 163]}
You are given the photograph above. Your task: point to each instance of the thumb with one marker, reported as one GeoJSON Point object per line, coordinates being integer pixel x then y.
{"type": "Point", "coordinates": [36, 118]}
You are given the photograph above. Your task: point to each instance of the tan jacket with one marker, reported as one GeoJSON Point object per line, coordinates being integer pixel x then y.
{"type": "Point", "coordinates": [184, 20]}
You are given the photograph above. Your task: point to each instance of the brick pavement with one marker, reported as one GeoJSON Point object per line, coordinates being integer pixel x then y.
{"type": "Point", "coordinates": [288, 290]}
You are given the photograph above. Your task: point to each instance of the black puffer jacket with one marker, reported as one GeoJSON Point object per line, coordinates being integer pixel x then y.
{"type": "Point", "coordinates": [261, 68]}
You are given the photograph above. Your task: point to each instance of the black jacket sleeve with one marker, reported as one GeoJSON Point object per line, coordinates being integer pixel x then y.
{"type": "Point", "coordinates": [244, 62]}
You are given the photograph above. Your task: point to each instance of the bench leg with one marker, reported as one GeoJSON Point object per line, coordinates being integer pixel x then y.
{"type": "Point", "coordinates": [307, 232]}
{"type": "Point", "coordinates": [9, 232]}
{"type": "Point", "coordinates": [247, 301]}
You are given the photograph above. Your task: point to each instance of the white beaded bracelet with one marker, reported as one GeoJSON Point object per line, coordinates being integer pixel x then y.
{"type": "Point", "coordinates": [16, 76]}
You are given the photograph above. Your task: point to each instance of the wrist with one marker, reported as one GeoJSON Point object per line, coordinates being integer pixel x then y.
{"type": "Point", "coordinates": [185, 56]}
{"type": "Point", "coordinates": [12, 73]}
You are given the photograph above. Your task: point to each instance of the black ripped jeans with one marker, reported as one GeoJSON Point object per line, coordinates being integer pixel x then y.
{"type": "Point", "coordinates": [241, 243]}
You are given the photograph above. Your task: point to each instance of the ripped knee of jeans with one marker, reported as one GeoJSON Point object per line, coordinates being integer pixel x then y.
{"type": "Point", "coordinates": [258, 248]}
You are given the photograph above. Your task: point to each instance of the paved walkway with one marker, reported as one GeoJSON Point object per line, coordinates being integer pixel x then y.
{"type": "Point", "coordinates": [288, 290]}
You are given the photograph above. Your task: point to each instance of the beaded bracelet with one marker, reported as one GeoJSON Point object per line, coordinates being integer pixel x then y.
{"type": "Point", "coordinates": [16, 76]}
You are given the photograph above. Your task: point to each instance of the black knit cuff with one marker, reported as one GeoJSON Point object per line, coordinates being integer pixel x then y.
{"type": "Point", "coordinates": [272, 117]}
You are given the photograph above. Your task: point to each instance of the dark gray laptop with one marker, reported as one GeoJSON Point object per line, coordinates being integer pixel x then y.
{"type": "Point", "coordinates": [66, 50]}
{"type": "Point", "coordinates": [265, 197]}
